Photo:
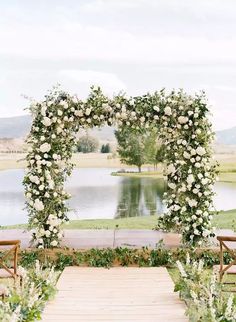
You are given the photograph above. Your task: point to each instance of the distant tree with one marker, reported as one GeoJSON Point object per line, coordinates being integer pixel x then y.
{"type": "Point", "coordinates": [106, 148]}
{"type": "Point", "coordinates": [87, 144]}
{"type": "Point", "coordinates": [130, 147]}
{"type": "Point", "coordinates": [138, 148]}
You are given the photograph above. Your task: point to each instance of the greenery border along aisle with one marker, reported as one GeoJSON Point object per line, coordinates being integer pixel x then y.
{"type": "Point", "coordinates": [120, 256]}
{"type": "Point", "coordinates": [184, 129]}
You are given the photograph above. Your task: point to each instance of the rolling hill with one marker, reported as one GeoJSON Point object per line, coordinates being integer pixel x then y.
{"type": "Point", "coordinates": [19, 126]}
{"type": "Point", "coordinates": [227, 137]}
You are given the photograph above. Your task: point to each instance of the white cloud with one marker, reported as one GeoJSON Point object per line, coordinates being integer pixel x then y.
{"type": "Point", "coordinates": [108, 81]}
{"type": "Point", "coordinates": [135, 45]}
{"type": "Point", "coordinates": [74, 40]}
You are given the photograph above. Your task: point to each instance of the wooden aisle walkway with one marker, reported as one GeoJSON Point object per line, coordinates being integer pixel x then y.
{"type": "Point", "coordinates": [117, 294]}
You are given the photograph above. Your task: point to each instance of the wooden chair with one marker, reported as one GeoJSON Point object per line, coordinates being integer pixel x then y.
{"type": "Point", "coordinates": [9, 271]}
{"type": "Point", "coordinates": [230, 268]}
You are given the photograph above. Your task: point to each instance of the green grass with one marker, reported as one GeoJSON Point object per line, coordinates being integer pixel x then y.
{"type": "Point", "coordinates": [124, 223]}
{"type": "Point", "coordinates": [225, 219]}
{"type": "Point", "coordinates": [227, 177]}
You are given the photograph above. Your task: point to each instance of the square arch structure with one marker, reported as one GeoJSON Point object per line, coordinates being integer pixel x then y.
{"type": "Point", "coordinates": [186, 133]}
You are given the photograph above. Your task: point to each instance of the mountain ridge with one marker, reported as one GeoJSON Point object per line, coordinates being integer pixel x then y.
{"type": "Point", "coordinates": [19, 127]}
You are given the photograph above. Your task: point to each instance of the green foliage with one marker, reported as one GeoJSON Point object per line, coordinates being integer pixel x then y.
{"type": "Point", "coordinates": [28, 259]}
{"type": "Point", "coordinates": [203, 294]}
{"type": "Point", "coordinates": [137, 147]}
{"type": "Point", "coordinates": [99, 257]}
{"type": "Point", "coordinates": [108, 257]}
{"type": "Point", "coordinates": [63, 260]}
{"type": "Point", "coordinates": [106, 148]}
{"type": "Point", "coordinates": [87, 144]}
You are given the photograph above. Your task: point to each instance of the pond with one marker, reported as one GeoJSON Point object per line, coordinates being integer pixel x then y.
{"type": "Point", "coordinates": [97, 194]}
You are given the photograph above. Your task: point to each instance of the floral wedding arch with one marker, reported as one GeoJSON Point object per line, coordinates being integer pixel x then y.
{"type": "Point", "coordinates": [184, 130]}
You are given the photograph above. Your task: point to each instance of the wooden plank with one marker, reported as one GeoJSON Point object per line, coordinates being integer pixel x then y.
{"type": "Point", "coordinates": [117, 294]}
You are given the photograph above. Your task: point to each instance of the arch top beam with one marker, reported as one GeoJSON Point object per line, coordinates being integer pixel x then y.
{"type": "Point", "coordinates": [185, 131]}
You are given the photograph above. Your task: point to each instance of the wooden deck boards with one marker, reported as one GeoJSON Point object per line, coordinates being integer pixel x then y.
{"type": "Point", "coordinates": [117, 294]}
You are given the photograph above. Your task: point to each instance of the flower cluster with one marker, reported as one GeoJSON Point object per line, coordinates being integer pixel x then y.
{"type": "Point", "coordinates": [184, 130]}
{"type": "Point", "coordinates": [203, 294]}
{"type": "Point", "coordinates": [25, 302]}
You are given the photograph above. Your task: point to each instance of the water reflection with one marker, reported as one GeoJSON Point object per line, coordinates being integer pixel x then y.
{"type": "Point", "coordinates": [97, 194]}
{"type": "Point", "coordinates": [140, 197]}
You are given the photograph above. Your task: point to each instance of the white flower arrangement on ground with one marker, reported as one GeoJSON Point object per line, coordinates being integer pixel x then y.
{"type": "Point", "coordinates": [203, 294]}
{"type": "Point", "coordinates": [184, 130]}
{"type": "Point", "coordinates": [25, 302]}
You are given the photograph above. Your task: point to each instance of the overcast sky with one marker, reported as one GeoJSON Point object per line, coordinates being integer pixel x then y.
{"type": "Point", "coordinates": [131, 45]}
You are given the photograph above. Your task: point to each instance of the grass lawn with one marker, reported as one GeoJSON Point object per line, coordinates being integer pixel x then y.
{"type": "Point", "coordinates": [225, 219]}
{"type": "Point", "coordinates": [227, 176]}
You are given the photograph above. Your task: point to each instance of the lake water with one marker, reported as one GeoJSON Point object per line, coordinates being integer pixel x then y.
{"type": "Point", "coordinates": [97, 194]}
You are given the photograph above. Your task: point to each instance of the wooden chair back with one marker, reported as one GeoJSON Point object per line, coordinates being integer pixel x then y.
{"type": "Point", "coordinates": [224, 247]}
{"type": "Point", "coordinates": [10, 253]}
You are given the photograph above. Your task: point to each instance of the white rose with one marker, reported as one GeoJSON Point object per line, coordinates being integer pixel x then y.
{"type": "Point", "coordinates": [171, 169]}
{"type": "Point", "coordinates": [64, 104]}
{"type": "Point", "coordinates": [38, 205]}
{"type": "Point", "coordinates": [156, 108]}
{"type": "Point", "coordinates": [28, 195]}
{"type": "Point", "coordinates": [200, 151]}
{"type": "Point", "coordinates": [59, 112]}
{"type": "Point", "coordinates": [186, 155]}
{"type": "Point", "coordinates": [205, 181]}
{"type": "Point", "coordinates": [88, 111]}
{"type": "Point", "coordinates": [167, 110]}
{"type": "Point", "coordinates": [47, 233]}
{"type": "Point", "coordinates": [46, 121]}
{"type": "Point", "coordinates": [171, 185]}
{"type": "Point", "coordinates": [192, 203]}
{"type": "Point", "coordinates": [34, 179]}
{"type": "Point", "coordinates": [79, 113]}
{"type": "Point", "coordinates": [54, 243]}
{"type": "Point", "coordinates": [182, 119]}
{"type": "Point", "coordinates": [190, 179]}
{"type": "Point", "coordinates": [45, 147]}
{"type": "Point", "coordinates": [43, 110]}
{"type": "Point", "coordinates": [142, 119]}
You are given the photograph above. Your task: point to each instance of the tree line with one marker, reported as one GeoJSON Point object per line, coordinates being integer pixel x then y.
{"type": "Point", "coordinates": [134, 147]}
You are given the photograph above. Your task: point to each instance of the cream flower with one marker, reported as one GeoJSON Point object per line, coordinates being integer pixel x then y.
{"type": "Point", "coordinates": [38, 205]}
{"type": "Point", "coordinates": [46, 121]}
{"type": "Point", "coordinates": [182, 119]}
{"type": "Point", "coordinates": [45, 147]}
{"type": "Point", "coordinates": [201, 151]}
{"type": "Point", "coordinates": [167, 110]}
